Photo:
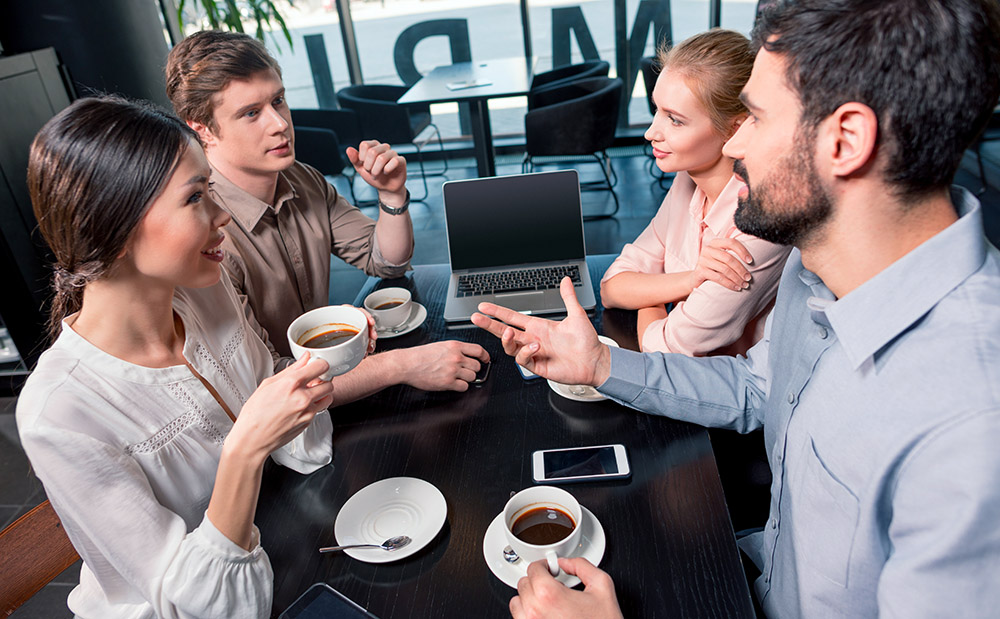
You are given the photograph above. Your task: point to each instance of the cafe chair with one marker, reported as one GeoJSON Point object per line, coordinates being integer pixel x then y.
{"type": "Point", "coordinates": [565, 74]}
{"type": "Point", "coordinates": [321, 149]}
{"type": "Point", "coordinates": [327, 153]}
{"type": "Point", "coordinates": [382, 119]}
{"type": "Point", "coordinates": [576, 120]}
{"type": "Point", "coordinates": [990, 134]}
{"type": "Point", "coordinates": [35, 550]}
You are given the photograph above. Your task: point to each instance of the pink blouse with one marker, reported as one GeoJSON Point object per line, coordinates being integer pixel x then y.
{"type": "Point", "coordinates": [713, 319]}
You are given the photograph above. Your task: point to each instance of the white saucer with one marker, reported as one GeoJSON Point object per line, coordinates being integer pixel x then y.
{"type": "Point", "coordinates": [591, 394]}
{"type": "Point", "coordinates": [387, 508]}
{"type": "Point", "coordinates": [591, 548]}
{"type": "Point", "coordinates": [417, 317]}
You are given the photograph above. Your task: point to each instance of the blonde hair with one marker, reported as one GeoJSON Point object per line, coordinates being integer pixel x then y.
{"type": "Point", "coordinates": [715, 64]}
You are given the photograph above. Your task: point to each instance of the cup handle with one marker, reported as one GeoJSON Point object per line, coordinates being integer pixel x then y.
{"type": "Point", "coordinates": [553, 561]}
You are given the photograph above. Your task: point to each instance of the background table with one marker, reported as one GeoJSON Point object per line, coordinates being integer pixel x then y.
{"type": "Point", "coordinates": [507, 77]}
{"type": "Point", "coordinates": [670, 545]}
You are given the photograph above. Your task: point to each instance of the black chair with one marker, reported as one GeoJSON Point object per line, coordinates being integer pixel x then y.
{"type": "Point", "coordinates": [319, 150]}
{"type": "Point", "coordinates": [563, 75]}
{"type": "Point", "coordinates": [382, 119]}
{"type": "Point", "coordinates": [990, 134]}
{"type": "Point", "coordinates": [650, 71]}
{"type": "Point", "coordinates": [575, 120]}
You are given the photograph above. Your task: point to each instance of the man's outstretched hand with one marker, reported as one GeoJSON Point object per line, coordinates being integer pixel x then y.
{"type": "Point", "coordinates": [567, 351]}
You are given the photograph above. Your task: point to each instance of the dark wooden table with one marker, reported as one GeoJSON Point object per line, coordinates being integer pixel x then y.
{"type": "Point", "coordinates": [670, 545]}
{"type": "Point", "coordinates": [507, 77]}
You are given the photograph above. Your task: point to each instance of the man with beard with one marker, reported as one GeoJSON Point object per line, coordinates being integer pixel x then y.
{"type": "Point", "coordinates": [876, 380]}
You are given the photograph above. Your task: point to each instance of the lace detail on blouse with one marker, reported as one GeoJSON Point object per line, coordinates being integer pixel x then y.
{"type": "Point", "coordinates": [235, 343]}
{"type": "Point", "coordinates": [194, 416]}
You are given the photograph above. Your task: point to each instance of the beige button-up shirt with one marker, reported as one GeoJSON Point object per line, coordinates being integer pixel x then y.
{"type": "Point", "coordinates": [278, 256]}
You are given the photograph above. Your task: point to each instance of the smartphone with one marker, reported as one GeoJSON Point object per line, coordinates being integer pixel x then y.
{"type": "Point", "coordinates": [557, 466]}
{"type": "Point", "coordinates": [322, 600]}
{"type": "Point", "coordinates": [484, 371]}
{"type": "Point", "coordinates": [526, 374]}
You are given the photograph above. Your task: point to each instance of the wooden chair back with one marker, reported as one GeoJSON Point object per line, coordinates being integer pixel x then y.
{"type": "Point", "coordinates": [33, 551]}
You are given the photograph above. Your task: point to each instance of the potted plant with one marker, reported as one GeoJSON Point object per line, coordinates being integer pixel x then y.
{"type": "Point", "coordinates": [231, 14]}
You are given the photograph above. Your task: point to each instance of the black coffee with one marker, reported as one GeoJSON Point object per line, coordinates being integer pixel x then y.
{"type": "Point", "coordinates": [388, 305]}
{"type": "Point", "coordinates": [330, 338]}
{"type": "Point", "coordinates": [543, 525]}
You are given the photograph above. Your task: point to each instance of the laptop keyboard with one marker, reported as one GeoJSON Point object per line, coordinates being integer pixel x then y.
{"type": "Point", "coordinates": [521, 280]}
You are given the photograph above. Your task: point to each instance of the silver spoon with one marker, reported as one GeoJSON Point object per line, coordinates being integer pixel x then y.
{"type": "Point", "coordinates": [393, 543]}
{"type": "Point", "coordinates": [509, 555]}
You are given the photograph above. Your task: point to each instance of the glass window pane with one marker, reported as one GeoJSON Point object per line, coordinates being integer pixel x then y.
{"type": "Point", "coordinates": [308, 18]}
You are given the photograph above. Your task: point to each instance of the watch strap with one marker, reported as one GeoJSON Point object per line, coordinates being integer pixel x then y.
{"type": "Point", "coordinates": [397, 210]}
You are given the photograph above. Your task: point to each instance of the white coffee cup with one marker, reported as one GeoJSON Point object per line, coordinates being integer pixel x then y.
{"type": "Point", "coordinates": [343, 355]}
{"type": "Point", "coordinates": [543, 497]}
{"type": "Point", "coordinates": [389, 317]}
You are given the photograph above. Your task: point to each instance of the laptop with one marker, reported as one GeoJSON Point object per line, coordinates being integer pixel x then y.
{"type": "Point", "coordinates": [511, 239]}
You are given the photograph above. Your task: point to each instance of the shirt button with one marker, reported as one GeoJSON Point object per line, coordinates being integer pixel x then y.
{"type": "Point", "coordinates": [822, 333]}
{"type": "Point", "coordinates": [791, 398]}
{"type": "Point", "coordinates": [767, 578]}
{"type": "Point", "coordinates": [778, 458]}
{"type": "Point", "coordinates": [774, 523]}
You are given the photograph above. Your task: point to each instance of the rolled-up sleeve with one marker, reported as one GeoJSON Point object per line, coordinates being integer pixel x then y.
{"type": "Point", "coordinates": [713, 316]}
{"type": "Point", "coordinates": [646, 253]}
{"type": "Point", "coordinates": [354, 241]}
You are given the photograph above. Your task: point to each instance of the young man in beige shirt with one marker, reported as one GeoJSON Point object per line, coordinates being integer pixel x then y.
{"type": "Point", "coordinates": [287, 219]}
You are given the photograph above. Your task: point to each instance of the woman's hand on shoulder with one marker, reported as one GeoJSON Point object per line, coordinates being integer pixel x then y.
{"type": "Point", "coordinates": [723, 261]}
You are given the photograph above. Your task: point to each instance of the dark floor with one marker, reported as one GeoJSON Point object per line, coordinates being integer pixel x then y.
{"type": "Point", "coordinates": [745, 474]}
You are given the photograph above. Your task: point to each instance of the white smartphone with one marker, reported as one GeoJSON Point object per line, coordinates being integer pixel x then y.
{"type": "Point", "coordinates": [526, 374]}
{"type": "Point", "coordinates": [555, 466]}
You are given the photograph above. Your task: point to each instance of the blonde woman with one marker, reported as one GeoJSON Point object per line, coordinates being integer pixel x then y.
{"type": "Point", "coordinates": [720, 281]}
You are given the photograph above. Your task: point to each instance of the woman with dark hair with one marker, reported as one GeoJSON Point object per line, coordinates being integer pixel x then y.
{"type": "Point", "coordinates": [149, 419]}
{"type": "Point", "coordinates": [720, 281]}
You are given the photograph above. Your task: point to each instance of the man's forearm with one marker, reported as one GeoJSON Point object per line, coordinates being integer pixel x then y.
{"type": "Point", "coordinates": [394, 232]}
{"type": "Point", "coordinates": [373, 374]}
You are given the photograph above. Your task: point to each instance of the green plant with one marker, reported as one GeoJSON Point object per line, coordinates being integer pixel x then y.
{"type": "Point", "coordinates": [231, 14]}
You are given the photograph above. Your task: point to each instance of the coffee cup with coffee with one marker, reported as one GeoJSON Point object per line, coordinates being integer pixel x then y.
{"type": "Point", "coordinates": [390, 307]}
{"type": "Point", "coordinates": [336, 334]}
{"type": "Point", "coordinates": [543, 522]}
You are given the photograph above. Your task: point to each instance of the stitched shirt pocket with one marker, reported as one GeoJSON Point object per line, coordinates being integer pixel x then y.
{"type": "Point", "coordinates": [827, 521]}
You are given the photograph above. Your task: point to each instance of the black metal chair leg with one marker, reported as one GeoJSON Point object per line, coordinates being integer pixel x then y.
{"type": "Point", "coordinates": [608, 185]}
{"type": "Point", "coordinates": [982, 169]}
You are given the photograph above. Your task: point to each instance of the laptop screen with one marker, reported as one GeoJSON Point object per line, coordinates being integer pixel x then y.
{"type": "Point", "coordinates": [511, 220]}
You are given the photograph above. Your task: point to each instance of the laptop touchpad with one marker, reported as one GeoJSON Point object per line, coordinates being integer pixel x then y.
{"type": "Point", "coordinates": [520, 300]}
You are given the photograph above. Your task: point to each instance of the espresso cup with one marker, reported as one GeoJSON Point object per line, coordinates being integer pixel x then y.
{"type": "Point", "coordinates": [346, 325]}
{"type": "Point", "coordinates": [390, 307]}
{"type": "Point", "coordinates": [537, 514]}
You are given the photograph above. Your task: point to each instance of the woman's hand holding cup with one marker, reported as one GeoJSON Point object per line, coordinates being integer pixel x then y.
{"type": "Point", "coordinates": [281, 408]}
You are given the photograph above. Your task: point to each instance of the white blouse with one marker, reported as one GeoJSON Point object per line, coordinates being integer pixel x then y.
{"type": "Point", "coordinates": [128, 457]}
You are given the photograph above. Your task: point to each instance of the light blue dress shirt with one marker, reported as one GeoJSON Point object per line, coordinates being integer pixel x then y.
{"type": "Point", "coordinates": [881, 415]}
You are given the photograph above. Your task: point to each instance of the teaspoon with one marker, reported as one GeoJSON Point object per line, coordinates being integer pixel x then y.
{"type": "Point", "coordinates": [393, 543]}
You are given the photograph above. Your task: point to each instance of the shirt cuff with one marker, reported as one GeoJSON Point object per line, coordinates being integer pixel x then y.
{"type": "Point", "coordinates": [628, 375]}
{"type": "Point", "coordinates": [397, 269]}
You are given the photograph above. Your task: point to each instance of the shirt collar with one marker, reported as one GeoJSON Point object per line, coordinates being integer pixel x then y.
{"type": "Point", "coordinates": [245, 208]}
{"type": "Point", "coordinates": [720, 213]}
{"type": "Point", "coordinates": [873, 314]}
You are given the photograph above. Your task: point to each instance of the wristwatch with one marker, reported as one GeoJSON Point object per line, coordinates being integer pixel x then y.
{"type": "Point", "coordinates": [399, 210]}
